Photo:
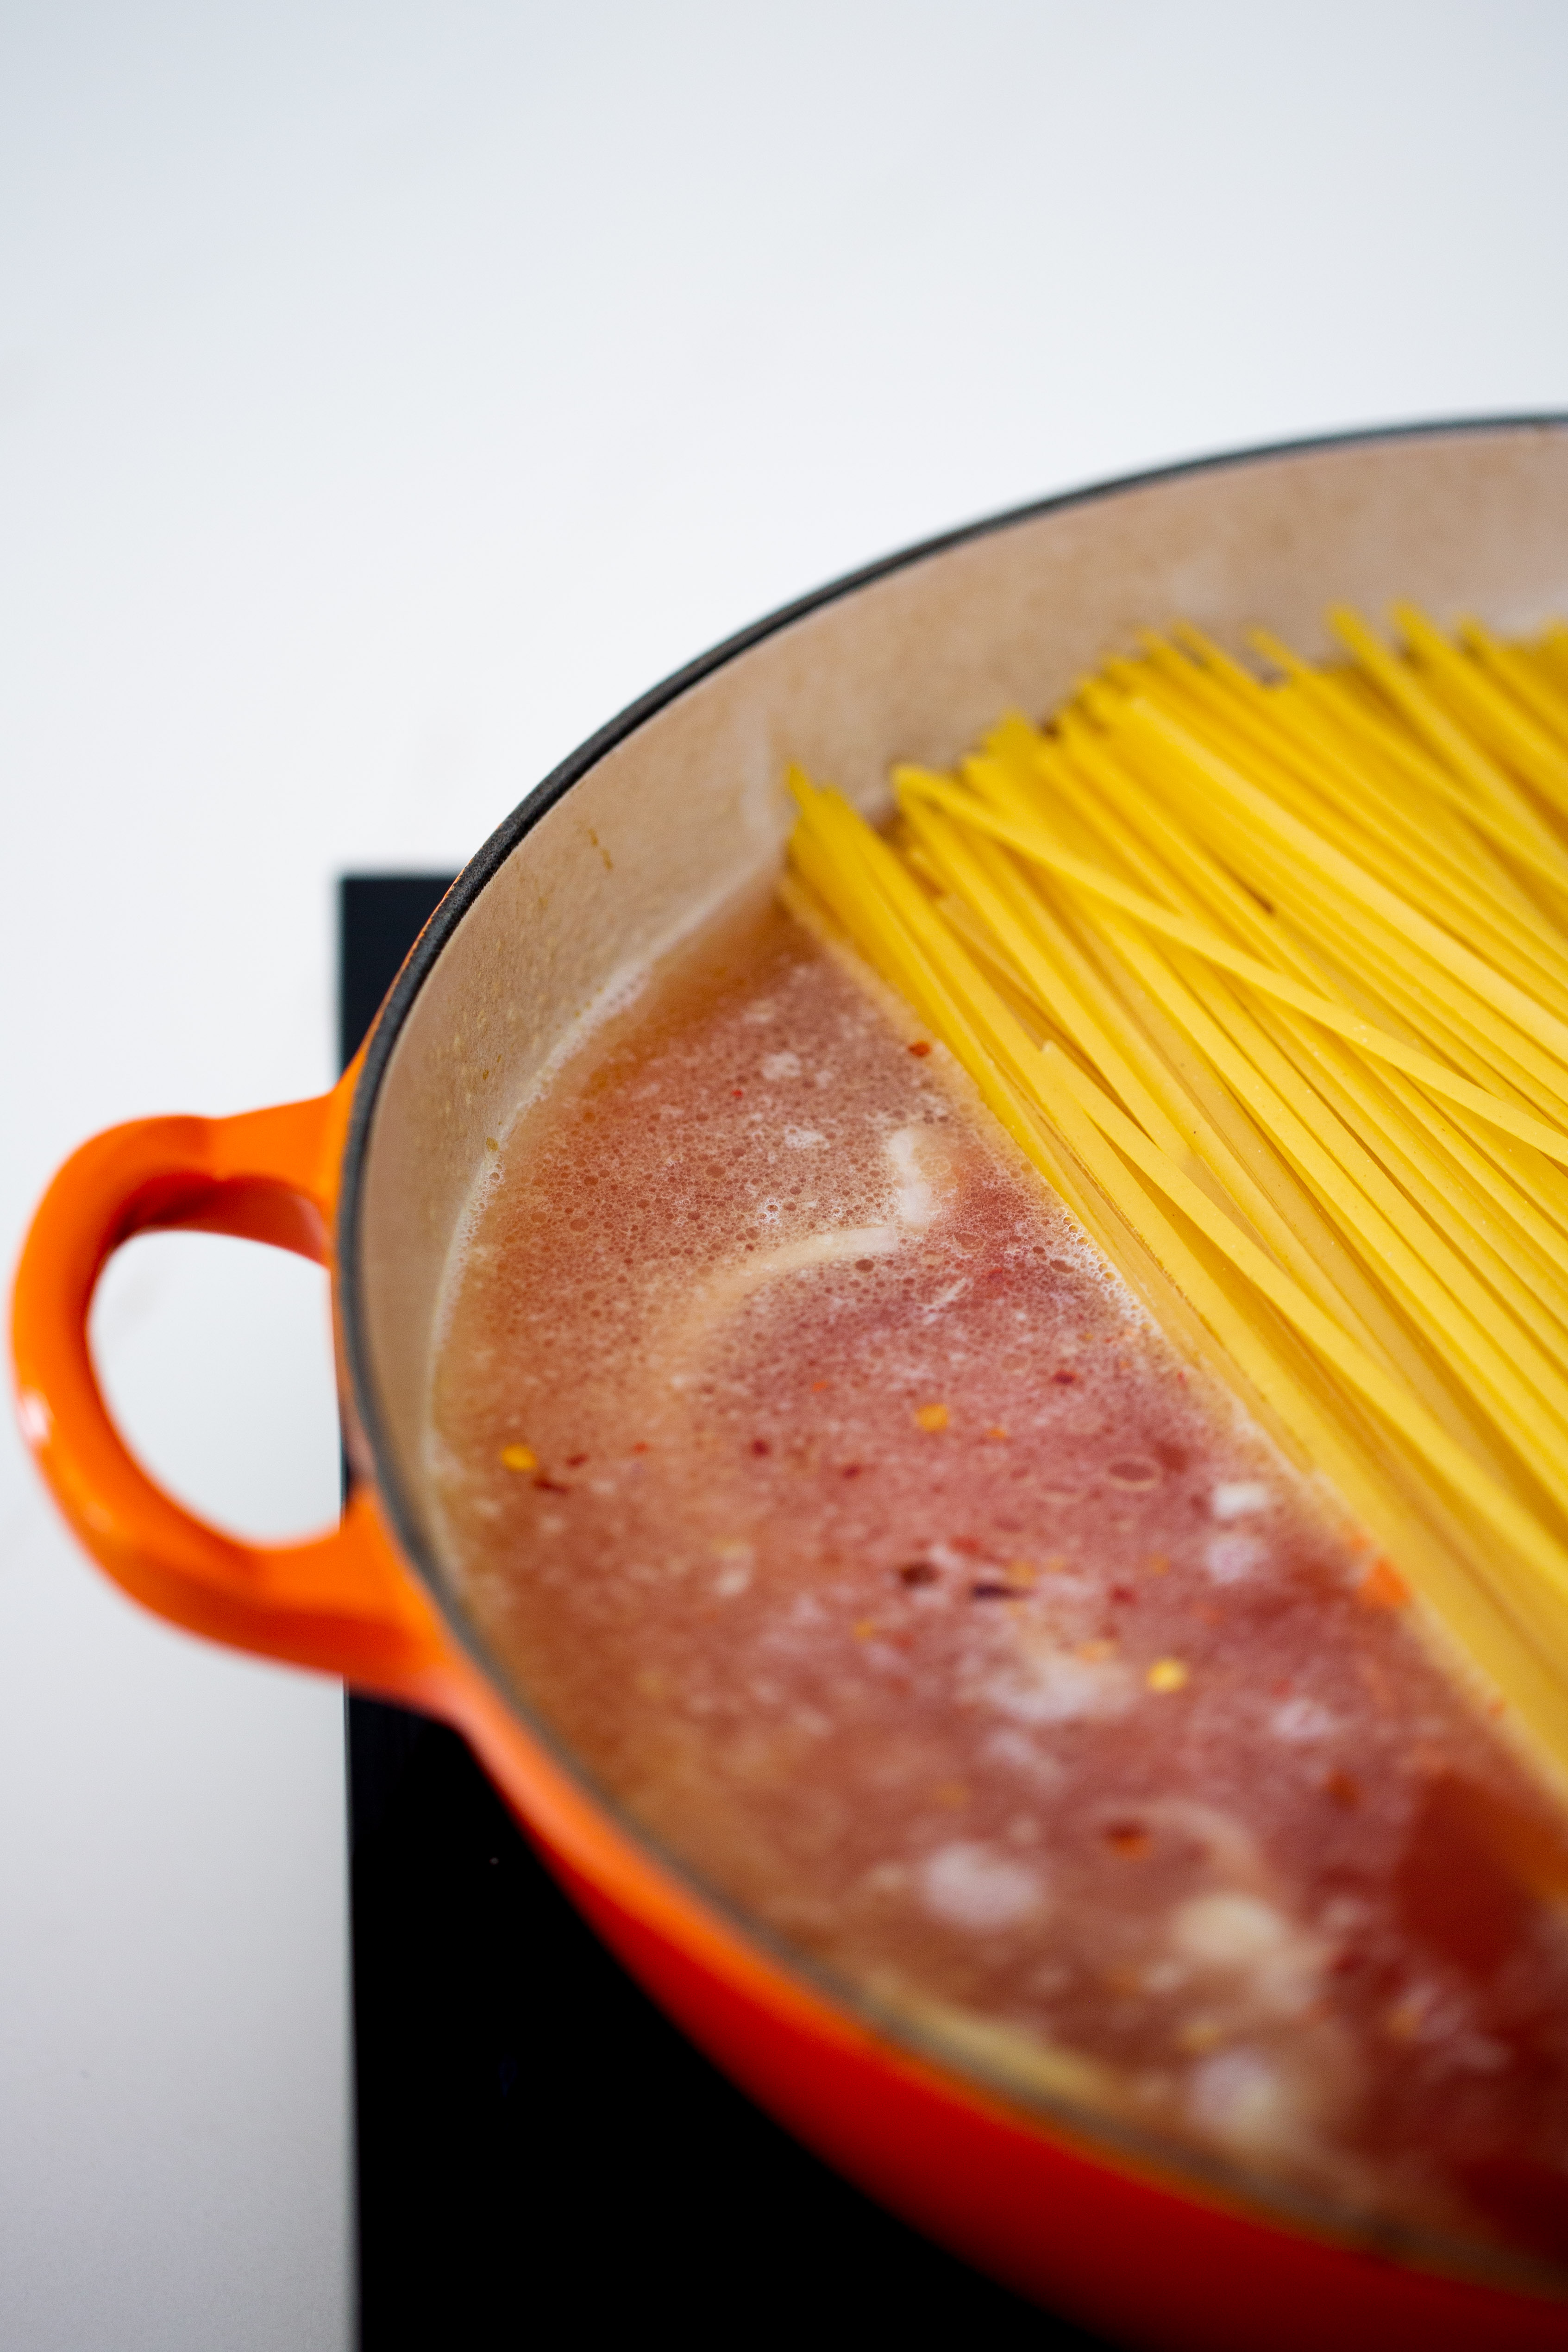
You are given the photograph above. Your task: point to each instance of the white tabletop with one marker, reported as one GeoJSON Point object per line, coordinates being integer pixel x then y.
{"type": "Point", "coordinates": [388, 393]}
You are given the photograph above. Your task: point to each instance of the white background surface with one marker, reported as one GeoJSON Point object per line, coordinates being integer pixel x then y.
{"type": "Point", "coordinates": [388, 392]}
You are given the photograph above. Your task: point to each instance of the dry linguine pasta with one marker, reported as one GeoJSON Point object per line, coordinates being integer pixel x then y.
{"type": "Point", "coordinates": [1269, 980]}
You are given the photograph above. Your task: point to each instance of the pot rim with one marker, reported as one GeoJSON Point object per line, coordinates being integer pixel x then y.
{"type": "Point", "coordinates": [1101, 2139]}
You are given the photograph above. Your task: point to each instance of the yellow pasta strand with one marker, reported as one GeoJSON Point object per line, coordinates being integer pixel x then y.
{"type": "Point", "coordinates": [1270, 980]}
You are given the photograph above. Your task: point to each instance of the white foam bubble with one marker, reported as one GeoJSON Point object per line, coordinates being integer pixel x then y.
{"type": "Point", "coordinates": [1300, 1721]}
{"type": "Point", "coordinates": [1061, 1687]}
{"type": "Point", "coordinates": [1231, 1559]}
{"type": "Point", "coordinates": [1240, 1498]}
{"type": "Point", "coordinates": [1228, 1930]}
{"type": "Point", "coordinates": [969, 1884]}
{"type": "Point", "coordinates": [1244, 2100]}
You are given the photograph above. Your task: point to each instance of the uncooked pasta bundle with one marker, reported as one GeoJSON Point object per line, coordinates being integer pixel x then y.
{"type": "Point", "coordinates": [1269, 980]}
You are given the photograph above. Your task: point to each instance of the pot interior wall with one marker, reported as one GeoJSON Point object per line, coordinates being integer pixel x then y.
{"type": "Point", "coordinates": [691, 805]}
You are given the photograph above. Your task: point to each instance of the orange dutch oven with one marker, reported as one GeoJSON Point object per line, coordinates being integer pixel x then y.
{"type": "Point", "coordinates": [671, 808]}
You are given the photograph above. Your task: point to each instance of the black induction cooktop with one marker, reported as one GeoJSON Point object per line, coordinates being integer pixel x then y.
{"type": "Point", "coordinates": [541, 2157]}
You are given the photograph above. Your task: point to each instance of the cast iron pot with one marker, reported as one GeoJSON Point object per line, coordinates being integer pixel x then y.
{"type": "Point", "coordinates": [669, 810]}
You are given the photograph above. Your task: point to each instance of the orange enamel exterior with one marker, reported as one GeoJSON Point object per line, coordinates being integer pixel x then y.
{"type": "Point", "coordinates": [339, 1602]}
{"type": "Point", "coordinates": [1145, 2258]}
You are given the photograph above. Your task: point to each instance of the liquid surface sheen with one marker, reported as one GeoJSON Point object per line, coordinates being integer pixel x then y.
{"type": "Point", "coordinates": [848, 1519]}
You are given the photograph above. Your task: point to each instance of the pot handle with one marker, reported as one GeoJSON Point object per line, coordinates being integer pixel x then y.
{"type": "Point", "coordinates": [343, 1600]}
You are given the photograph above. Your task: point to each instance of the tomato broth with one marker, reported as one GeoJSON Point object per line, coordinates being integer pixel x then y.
{"type": "Point", "coordinates": [845, 1514]}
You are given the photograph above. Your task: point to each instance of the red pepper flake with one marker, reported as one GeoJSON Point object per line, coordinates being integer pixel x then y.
{"type": "Point", "coordinates": [552, 1486]}
{"type": "Point", "coordinates": [820, 1384]}
{"type": "Point", "coordinates": [1129, 1839]}
{"type": "Point", "coordinates": [760, 1446]}
{"type": "Point", "coordinates": [1065, 1380]}
{"type": "Point", "coordinates": [576, 1461]}
{"type": "Point", "coordinates": [1383, 1587]}
{"type": "Point", "coordinates": [917, 1571]}
{"type": "Point", "coordinates": [920, 1048]}
{"type": "Point", "coordinates": [641, 1446]}
{"type": "Point", "coordinates": [1123, 1592]}
{"type": "Point", "coordinates": [851, 1470]}
{"type": "Point", "coordinates": [736, 1092]}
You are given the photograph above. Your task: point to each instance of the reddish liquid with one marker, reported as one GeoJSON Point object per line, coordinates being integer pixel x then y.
{"type": "Point", "coordinates": [882, 1561]}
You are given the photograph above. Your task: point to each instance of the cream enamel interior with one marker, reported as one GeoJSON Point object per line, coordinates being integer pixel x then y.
{"type": "Point", "coordinates": [691, 805]}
